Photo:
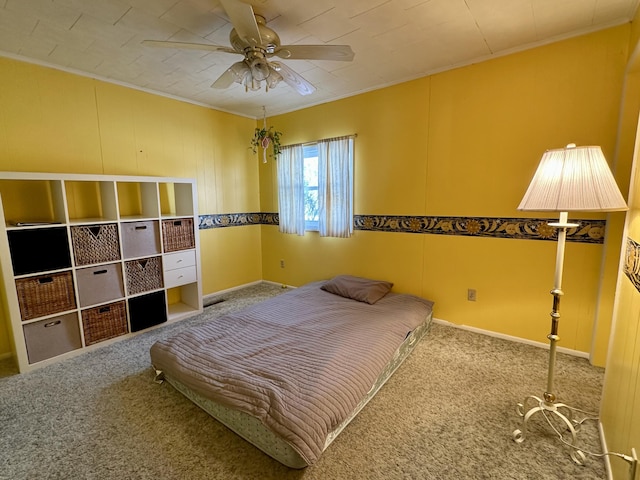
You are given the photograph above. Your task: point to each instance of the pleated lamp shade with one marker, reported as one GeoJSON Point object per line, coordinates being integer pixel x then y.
{"type": "Point", "coordinates": [573, 179]}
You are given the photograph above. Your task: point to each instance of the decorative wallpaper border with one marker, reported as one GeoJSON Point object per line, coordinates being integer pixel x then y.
{"type": "Point", "coordinates": [632, 262]}
{"type": "Point", "coordinates": [588, 231]}
{"type": "Point", "coordinates": [237, 220]}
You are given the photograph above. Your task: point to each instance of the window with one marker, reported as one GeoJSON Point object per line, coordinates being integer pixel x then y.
{"type": "Point", "coordinates": [315, 188]}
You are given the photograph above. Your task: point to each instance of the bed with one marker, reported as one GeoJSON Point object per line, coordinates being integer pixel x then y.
{"type": "Point", "coordinates": [288, 374]}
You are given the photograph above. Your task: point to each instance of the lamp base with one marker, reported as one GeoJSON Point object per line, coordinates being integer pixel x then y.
{"type": "Point", "coordinates": [550, 410]}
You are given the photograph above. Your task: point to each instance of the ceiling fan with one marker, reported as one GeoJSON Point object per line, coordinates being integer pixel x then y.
{"type": "Point", "coordinates": [252, 38]}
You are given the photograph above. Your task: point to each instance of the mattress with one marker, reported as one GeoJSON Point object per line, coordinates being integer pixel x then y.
{"type": "Point", "coordinates": [242, 371]}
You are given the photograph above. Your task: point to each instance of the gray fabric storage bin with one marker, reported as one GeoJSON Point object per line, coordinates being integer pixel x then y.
{"type": "Point", "coordinates": [100, 284]}
{"type": "Point", "coordinates": [140, 239]}
{"type": "Point", "coordinates": [52, 337]}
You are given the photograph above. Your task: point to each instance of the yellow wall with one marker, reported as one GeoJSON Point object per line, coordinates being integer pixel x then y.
{"type": "Point", "coordinates": [465, 143]}
{"type": "Point", "coordinates": [51, 121]}
{"type": "Point", "coordinates": [620, 409]}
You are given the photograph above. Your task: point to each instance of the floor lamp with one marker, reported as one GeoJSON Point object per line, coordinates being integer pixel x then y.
{"type": "Point", "coordinates": [567, 179]}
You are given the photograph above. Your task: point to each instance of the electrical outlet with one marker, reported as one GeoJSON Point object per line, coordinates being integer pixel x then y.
{"type": "Point", "coordinates": [471, 294]}
{"type": "Point", "coordinates": [281, 263]}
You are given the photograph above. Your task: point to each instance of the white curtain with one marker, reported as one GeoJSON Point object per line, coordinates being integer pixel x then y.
{"type": "Point", "coordinates": [291, 190]}
{"type": "Point", "coordinates": [335, 187]}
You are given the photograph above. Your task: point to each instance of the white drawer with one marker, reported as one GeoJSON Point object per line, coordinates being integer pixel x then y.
{"type": "Point", "coordinates": [179, 276]}
{"type": "Point", "coordinates": [186, 258]}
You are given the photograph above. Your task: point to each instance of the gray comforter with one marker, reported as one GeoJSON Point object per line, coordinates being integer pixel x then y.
{"type": "Point", "coordinates": [300, 362]}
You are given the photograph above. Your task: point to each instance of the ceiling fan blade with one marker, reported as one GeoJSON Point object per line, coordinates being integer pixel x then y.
{"type": "Point", "coordinates": [243, 20]}
{"type": "Point", "coordinates": [315, 52]}
{"type": "Point", "coordinates": [235, 73]}
{"type": "Point", "coordinates": [225, 80]}
{"type": "Point", "coordinates": [192, 46]}
{"type": "Point", "coordinates": [293, 79]}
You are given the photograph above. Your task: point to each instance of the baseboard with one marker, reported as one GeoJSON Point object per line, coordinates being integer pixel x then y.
{"type": "Point", "coordinates": [575, 353]}
{"type": "Point", "coordinates": [232, 289]}
{"type": "Point", "coordinates": [209, 296]}
{"type": "Point", "coordinates": [281, 285]}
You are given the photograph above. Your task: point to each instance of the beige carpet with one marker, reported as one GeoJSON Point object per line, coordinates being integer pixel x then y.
{"type": "Point", "coordinates": [447, 413]}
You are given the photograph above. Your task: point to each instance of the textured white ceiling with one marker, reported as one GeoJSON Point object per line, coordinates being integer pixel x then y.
{"type": "Point", "coordinates": [393, 40]}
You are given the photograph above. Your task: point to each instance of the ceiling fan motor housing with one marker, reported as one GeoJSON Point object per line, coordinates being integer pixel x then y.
{"type": "Point", "coordinates": [270, 39]}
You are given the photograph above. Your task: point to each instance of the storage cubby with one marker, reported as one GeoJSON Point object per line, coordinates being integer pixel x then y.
{"type": "Point", "coordinates": [46, 205]}
{"type": "Point", "coordinates": [91, 201]}
{"type": "Point", "coordinates": [43, 295]}
{"type": "Point", "coordinates": [95, 243]}
{"type": "Point", "coordinates": [178, 234]}
{"type": "Point", "coordinates": [104, 322]}
{"type": "Point", "coordinates": [140, 239]}
{"type": "Point", "coordinates": [176, 200]}
{"type": "Point", "coordinates": [52, 337]}
{"type": "Point", "coordinates": [90, 258]}
{"type": "Point", "coordinates": [143, 275]}
{"type": "Point", "coordinates": [183, 300]}
{"type": "Point", "coordinates": [39, 249]}
{"type": "Point", "coordinates": [147, 310]}
{"type": "Point", "coordinates": [138, 200]}
{"type": "Point", "coordinates": [100, 284]}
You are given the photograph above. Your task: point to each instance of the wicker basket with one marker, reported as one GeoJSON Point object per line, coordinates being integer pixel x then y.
{"type": "Point", "coordinates": [45, 294]}
{"type": "Point", "coordinates": [178, 234]}
{"type": "Point", "coordinates": [105, 322]}
{"type": "Point", "coordinates": [95, 243]}
{"type": "Point", "coordinates": [143, 275]}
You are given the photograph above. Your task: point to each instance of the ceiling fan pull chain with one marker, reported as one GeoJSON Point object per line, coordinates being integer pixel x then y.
{"type": "Point", "coordinates": [265, 140]}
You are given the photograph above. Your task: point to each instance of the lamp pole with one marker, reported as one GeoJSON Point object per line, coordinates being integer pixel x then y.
{"type": "Point", "coordinates": [547, 405]}
{"type": "Point", "coordinates": [553, 337]}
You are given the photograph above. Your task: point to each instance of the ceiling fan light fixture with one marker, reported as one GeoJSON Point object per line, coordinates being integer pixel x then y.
{"type": "Point", "coordinates": [240, 72]}
{"type": "Point", "coordinates": [259, 69]}
{"type": "Point", "coordinates": [273, 79]}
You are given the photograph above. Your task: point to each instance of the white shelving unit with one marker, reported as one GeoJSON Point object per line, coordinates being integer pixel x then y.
{"type": "Point", "coordinates": [90, 259]}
